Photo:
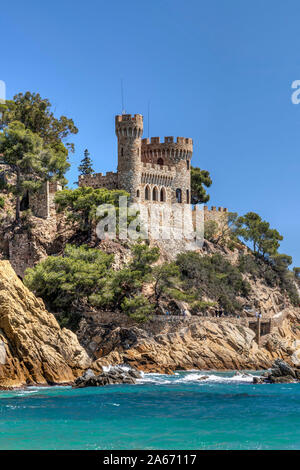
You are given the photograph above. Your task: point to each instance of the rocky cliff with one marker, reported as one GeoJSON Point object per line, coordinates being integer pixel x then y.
{"type": "Point", "coordinates": [33, 347]}
{"type": "Point", "coordinates": [201, 343]}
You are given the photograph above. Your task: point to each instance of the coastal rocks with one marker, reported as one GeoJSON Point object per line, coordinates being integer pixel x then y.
{"type": "Point", "coordinates": [115, 375]}
{"type": "Point", "coordinates": [201, 344]}
{"type": "Point", "coordinates": [34, 350]}
{"type": "Point", "coordinates": [281, 372]}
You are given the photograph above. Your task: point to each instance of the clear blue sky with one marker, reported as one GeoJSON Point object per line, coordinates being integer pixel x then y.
{"type": "Point", "coordinates": [217, 71]}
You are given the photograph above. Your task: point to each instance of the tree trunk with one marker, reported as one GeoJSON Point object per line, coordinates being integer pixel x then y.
{"type": "Point", "coordinates": [18, 199]}
{"type": "Point", "coordinates": [18, 203]}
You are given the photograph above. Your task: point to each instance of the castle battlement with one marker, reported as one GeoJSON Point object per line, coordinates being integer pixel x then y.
{"type": "Point", "coordinates": [167, 140]}
{"type": "Point", "coordinates": [129, 118]}
{"type": "Point", "coordinates": [98, 180]}
{"type": "Point", "coordinates": [97, 175]}
{"type": "Point", "coordinates": [214, 209]}
{"type": "Point", "coordinates": [168, 152]}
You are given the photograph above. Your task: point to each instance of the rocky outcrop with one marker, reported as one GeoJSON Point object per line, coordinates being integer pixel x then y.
{"type": "Point", "coordinates": [115, 375]}
{"type": "Point", "coordinates": [203, 344]}
{"type": "Point", "coordinates": [33, 347]}
{"type": "Point", "coordinates": [281, 372]}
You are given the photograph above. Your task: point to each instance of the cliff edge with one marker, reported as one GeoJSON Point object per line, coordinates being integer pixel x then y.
{"type": "Point", "coordinates": [34, 350]}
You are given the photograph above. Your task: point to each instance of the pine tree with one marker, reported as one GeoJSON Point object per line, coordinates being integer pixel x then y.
{"type": "Point", "coordinates": [86, 168]}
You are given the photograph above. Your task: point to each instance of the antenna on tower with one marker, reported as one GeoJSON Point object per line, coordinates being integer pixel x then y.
{"type": "Point", "coordinates": [122, 97]}
{"type": "Point", "coordinates": [148, 119]}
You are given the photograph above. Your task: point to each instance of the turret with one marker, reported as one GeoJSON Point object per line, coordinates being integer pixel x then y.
{"type": "Point", "coordinates": [129, 130]}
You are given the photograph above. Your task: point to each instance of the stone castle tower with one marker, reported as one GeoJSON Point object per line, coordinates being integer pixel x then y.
{"type": "Point", "coordinates": [149, 170]}
{"type": "Point", "coordinates": [129, 131]}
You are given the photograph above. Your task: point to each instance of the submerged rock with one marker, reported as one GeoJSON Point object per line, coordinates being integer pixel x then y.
{"type": "Point", "coordinates": [34, 350]}
{"type": "Point", "coordinates": [115, 375]}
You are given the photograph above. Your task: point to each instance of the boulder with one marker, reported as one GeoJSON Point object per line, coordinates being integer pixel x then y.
{"type": "Point", "coordinates": [115, 375]}
{"type": "Point", "coordinates": [280, 373]}
{"type": "Point", "coordinates": [284, 368]}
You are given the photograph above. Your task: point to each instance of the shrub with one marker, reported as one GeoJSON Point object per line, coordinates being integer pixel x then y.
{"type": "Point", "coordinates": [138, 308]}
{"type": "Point", "coordinates": [64, 281]}
{"type": "Point", "coordinates": [213, 277]}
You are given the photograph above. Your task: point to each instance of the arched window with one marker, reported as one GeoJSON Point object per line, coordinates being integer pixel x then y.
{"type": "Point", "coordinates": [154, 194]}
{"type": "Point", "coordinates": [187, 196]}
{"type": "Point", "coordinates": [138, 193]}
{"type": "Point", "coordinates": [178, 195]}
{"type": "Point", "coordinates": [160, 161]}
{"type": "Point", "coordinates": [147, 193]}
{"type": "Point", "coordinates": [188, 164]}
{"type": "Point", "coordinates": [162, 195]}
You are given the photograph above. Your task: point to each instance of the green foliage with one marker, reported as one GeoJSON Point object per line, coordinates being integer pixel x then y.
{"type": "Point", "coordinates": [28, 160]}
{"type": "Point", "coordinates": [274, 271]}
{"type": "Point", "coordinates": [210, 230]}
{"type": "Point", "coordinates": [86, 165]}
{"type": "Point", "coordinates": [200, 306]}
{"type": "Point", "coordinates": [64, 281]}
{"type": "Point", "coordinates": [138, 308]}
{"type": "Point", "coordinates": [143, 258]}
{"type": "Point", "coordinates": [84, 277]}
{"type": "Point", "coordinates": [248, 264]}
{"type": "Point", "coordinates": [253, 229]}
{"type": "Point", "coordinates": [2, 202]}
{"type": "Point", "coordinates": [127, 281]}
{"type": "Point", "coordinates": [166, 281]}
{"type": "Point", "coordinates": [212, 277]}
{"type": "Point", "coordinates": [297, 273]}
{"type": "Point", "coordinates": [36, 115]}
{"type": "Point", "coordinates": [199, 179]}
{"type": "Point", "coordinates": [80, 204]}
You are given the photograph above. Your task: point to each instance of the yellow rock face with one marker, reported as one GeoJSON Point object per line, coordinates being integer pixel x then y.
{"type": "Point", "coordinates": [209, 345]}
{"type": "Point", "coordinates": [33, 347]}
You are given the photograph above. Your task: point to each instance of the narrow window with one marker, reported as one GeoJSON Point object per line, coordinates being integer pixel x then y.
{"type": "Point", "coordinates": [138, 193]}
{"type": "Point", "coordinates": [178, 195]}
{"type": "Point", "coordinates": [188, 164]}
{"type": "Point", "coordinates": [147, 193]}
{"type": "Point", "coordinates": [187, 196]}
{"type": "Point", "coordinates": [154, 195]}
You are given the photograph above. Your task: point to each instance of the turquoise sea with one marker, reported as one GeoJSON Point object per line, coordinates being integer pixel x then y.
{"type": "Point", "coordinates": [161, 412]}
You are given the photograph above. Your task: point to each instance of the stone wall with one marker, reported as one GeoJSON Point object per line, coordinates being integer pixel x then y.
{"type": "Point", "coordinates": [20, 253]}
{"type": "Point", "coordinates": [215, 214]}
{"type": "Point", "coordinates": [98, 180]}
{"type": "Point", "coordinates": [42, 202]}
{"type": "Point", "coordinates": [39, 202]}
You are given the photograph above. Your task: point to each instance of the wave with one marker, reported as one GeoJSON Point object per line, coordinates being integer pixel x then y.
{"type": "Point", "coordinates": [195, 377]}
{"type": "Point", "coordinates": [110, 367]}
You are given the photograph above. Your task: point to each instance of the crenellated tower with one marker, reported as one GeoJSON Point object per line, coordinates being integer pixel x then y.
{"type": "Point", "coordinates": [129, 131]}
{"type": "Point", "coordinates": [174, 155]}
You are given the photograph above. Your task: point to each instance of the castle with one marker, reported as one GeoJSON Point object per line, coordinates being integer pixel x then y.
{"type": "Point", "coordinates": [149, 170]}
